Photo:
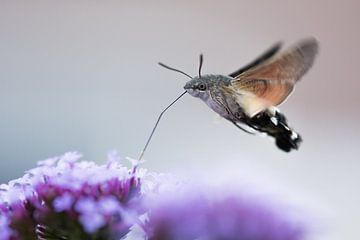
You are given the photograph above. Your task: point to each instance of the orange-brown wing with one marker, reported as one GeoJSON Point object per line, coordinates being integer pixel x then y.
{"type": "Point", "coordinates": [272, 81]}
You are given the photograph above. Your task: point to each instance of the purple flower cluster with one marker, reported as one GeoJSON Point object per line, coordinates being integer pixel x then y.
{"type": "Point", "coordinates": [69, 198]}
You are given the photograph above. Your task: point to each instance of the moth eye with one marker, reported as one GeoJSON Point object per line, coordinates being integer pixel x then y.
{"type": "Point", "coordinates": [202, 87]}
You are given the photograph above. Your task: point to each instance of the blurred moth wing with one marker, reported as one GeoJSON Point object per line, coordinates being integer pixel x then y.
{"type": "Point", "coordinates": [270, 79]}
{"type": "Point", "coordinates": [260, 59]}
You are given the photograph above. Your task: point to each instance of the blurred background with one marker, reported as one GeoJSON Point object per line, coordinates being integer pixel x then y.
{"type": "Point", "coordinates": [83, 75]}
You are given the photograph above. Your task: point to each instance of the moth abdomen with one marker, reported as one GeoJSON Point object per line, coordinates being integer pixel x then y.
{"type": "Point", "coordinates": [276, 126]}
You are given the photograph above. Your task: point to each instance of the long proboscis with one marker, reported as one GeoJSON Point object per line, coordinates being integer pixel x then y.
{"type": "Point", "coordinates": [157, 123]}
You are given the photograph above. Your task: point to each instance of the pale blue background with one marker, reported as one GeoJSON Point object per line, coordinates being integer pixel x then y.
{"type": "Point", "coordinates": [82, 75]}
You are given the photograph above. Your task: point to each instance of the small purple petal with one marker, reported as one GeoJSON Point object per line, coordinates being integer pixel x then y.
{"type": "Point", "coordinates": [92, 222]}
{"type": "Point", "coordinates": [63, 202]}
{"type": "Point", "coordinates": [5, 231]}
{"type": "Point", "coordinates": [113, 158]}
{"type": "Point", "coordinates": [71, 157]}
{"type": "Point", "coordinates": [109, 205]}
{"type": "Point", "coordinates": [50, 162]}
{"type": "Point", "coordinates": [86, 206]}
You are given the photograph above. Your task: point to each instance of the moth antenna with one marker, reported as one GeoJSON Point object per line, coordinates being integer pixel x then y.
{"type": "Point", "coordinates": [174, 69]}
{"type": "Point", "coordinates": [156, 124]}
{"type": "Point", "coordinates": [201, 59]}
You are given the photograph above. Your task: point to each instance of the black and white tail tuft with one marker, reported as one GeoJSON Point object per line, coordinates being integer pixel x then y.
{"type": "Point", "coordinates": [288, 140]}
{"type": "Point", "coordinates": [275, 124]}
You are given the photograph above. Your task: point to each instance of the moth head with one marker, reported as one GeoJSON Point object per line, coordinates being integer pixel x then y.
{"type": "Point", "coordinates": [196, 86]}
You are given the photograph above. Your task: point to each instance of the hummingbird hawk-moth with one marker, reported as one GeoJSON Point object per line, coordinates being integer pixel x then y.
{"type": "Point", "coordinates": [249, 96]}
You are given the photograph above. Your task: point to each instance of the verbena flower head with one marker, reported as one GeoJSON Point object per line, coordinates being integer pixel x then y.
{"type": "Point", "coordinates": [73, 199]}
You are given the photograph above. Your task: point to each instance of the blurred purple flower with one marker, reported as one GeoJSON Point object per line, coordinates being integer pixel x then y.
{"type": "Point", "coordinates": [194, 216]}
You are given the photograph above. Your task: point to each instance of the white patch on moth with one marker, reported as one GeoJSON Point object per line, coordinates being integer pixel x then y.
{"type": "Point", "coordinates": [192, 92]}
{"type": "Point", "coordinates": [274, 120]}
{"type": "Point", "coordinates": [251, 103]}
{"type": "Point", "coordinates": [294, 135]}
{"type": "Point", "coordinates": [273, 110]}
